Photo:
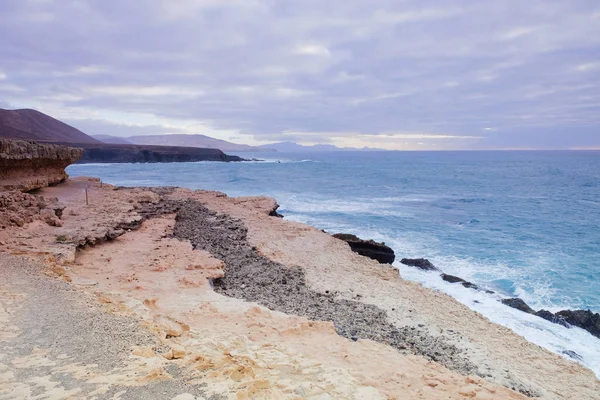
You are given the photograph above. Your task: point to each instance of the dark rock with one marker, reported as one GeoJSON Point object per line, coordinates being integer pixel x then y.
{"type": "Point", "coordinates": [519, 305]}
{"type": "Point", "coordinates": [573, 355]}
{"type": "Point", "coordinates": [555, 319]}
{"type": "Point", "coordinates": [456, 279]}
{"type": "Point", "coordinates": [452, 278]}
{"type": "Point", "coordinates": [131, 153]}
{"type": "Point", "coordinates": [274, 213]}
{"type": "Point", "coordinates": [470, 285]}
{"type": "Point", "coordinates": [368, 248]}
{"type": "Point", "coordinates": [421, 263]}
{"type": "Point", "coordinates": [584, 319]}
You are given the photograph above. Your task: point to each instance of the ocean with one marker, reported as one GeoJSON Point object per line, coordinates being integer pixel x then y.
{"type": "Point", "coordinates": [520, 223]}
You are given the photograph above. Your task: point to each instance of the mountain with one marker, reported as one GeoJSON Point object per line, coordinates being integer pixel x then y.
{"type": "Point", "coordinates": [193, 141]}
{"type": "Point", "coordinates": [108, 139]}
{"type": "Point", "coordinates": [291, 147]}
{"type": "Point", "coordinates": [34, 125]}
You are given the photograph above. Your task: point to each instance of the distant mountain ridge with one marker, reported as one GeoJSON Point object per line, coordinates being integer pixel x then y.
{"type": "Point", "coordinates": [292, 147]}
{"type": "Point", "coordinates": [109, 139]}
{"type": "Point", "coordinates": [192, 140]}
{"type": "Point", "coordinates": [29, 124]}
{"type": "Point", "coordinates": [33, 125]}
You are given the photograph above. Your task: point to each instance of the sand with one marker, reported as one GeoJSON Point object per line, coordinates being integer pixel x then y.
{"type": "Point", "coordinates": [189, 340]}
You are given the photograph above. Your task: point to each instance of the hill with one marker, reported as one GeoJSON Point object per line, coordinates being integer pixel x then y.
{"type": "Point", "coordinates": [184, 140]}
{"type": "Point", "coordinates": [34, 125]}
{"type": "Point", "coordinates": [109, 139]}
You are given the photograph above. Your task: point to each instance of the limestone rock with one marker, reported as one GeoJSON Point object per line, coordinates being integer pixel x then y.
{"type": "Point", "coordinates": [27, 165]}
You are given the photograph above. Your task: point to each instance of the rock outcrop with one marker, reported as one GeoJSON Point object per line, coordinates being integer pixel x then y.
{"type": "Point", "coordinates": [368, 248]}
{"type": "Point", "coordinates": [421, 263]}
{"type": "Point", "coordinates": [584, 319]}
{"type": "Point", "coordinates": [27, 165]}
{"type": "Point", "coordinates": [130, 153]}
{"type": "Point", "coordinates": [518, 304]}
{"type": "Point", "coordinates": [456, 279]}
{"type": "Point", "coordinates": [18, 209]}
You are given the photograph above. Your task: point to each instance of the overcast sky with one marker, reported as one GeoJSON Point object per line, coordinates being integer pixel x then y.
{"type": "Point", "coordinates": [416, 74]}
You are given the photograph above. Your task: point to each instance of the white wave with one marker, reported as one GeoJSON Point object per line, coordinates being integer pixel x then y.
{"type": "Point", "coordinates": [358, 206]}
{"type": "Point", "coordinates": [553, 337]}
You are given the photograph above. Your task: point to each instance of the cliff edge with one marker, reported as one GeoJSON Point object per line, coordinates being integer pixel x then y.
{"type": "Point", "coordinates": [27, 165]}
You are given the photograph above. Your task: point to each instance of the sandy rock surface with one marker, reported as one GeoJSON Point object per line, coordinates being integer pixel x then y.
{"type": "Point", "coordinates": [27, 165]}
{"type": "Point", "coordinates": [115, 263]}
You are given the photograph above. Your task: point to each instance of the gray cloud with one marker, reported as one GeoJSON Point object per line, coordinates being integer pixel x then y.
{"type": "Point", "coordinates": [312, 71]}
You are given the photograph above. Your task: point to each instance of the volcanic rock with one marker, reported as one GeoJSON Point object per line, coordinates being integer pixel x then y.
{"type": "Point", "coordinates": [518, 304]}
{"type": "Point", "coordinates": [456, 279]}
{"type": "Point", "coordinates": [584, 319]}
{"type": "Point", "coordinates": [555, 319]}
{"type": "Point", "coordinates": [421, 263]}
{"type": "Point", "coordinates": [368, 248]}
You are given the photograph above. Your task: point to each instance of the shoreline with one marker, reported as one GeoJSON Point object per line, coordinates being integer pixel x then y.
{"type": "Point", "coordinates": [570, 344]}
{"type": "Point", "coordinates": [533, 327]}
{"type": "Point", "coordinates": [329, 268]}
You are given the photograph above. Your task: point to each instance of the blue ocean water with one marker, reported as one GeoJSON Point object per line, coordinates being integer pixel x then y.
{"type": "Point", "coordinates": [523, 224]}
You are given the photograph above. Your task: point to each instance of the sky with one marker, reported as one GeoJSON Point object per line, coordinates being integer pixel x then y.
{"type": "Point", "coordinates": [395, 74]}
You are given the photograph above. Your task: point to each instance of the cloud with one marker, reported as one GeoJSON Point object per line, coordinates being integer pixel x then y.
{"type": "Point", "coordinates": [342, 71]}
{"type": "Point", "coordinates": [313, 49]}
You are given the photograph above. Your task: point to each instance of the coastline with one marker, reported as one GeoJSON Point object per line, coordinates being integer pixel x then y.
{"type": "Point", "coordinates": [161, 281]}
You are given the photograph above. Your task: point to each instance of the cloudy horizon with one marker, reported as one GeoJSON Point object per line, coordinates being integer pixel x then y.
{"type": "Point", "coordinates": [429, 75]}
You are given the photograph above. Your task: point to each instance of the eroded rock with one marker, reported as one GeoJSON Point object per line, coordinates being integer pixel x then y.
{"type": "Point", "coordinates": [584, 319]}
{"type": "Point", "coordinates": [27, 165]}
{"type": "Point", "coordinates": [368, 248]}
{"type": "Point", "coordinates": [518, 304]}
{"type": "Point", "coordinates": [456, 279]}
{"type": "Point", "coordinates": [421, 263]}
{"type": "Point", "coordinates": [18, 208]}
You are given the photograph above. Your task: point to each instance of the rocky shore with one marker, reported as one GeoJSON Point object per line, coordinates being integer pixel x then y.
{"type": "Point", "coordinates": [169, 293]}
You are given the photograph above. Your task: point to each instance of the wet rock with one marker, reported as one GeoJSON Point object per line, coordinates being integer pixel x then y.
{"type": "Point", "coordinates": [368, 248]}
{"type": "Point", "coordinates": [421, 263]}
{"type": "Point", "coordinates": [555, 319]}
{"type": "Point", "coordinates": [573, 355]}
{"type": "Point", "coordinates": [519, 305]}
{"type": "Point", "coordinates": [584, 319]}
{"type": "Point", "coordinates": [456, 279]}
{"type": "Point", "coordinates": [452, 278]}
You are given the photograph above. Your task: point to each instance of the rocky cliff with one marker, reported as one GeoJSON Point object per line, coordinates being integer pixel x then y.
{"type": "Point", "coordinates": [26, 165]}
{"type": "Point", "coordinates": [129, 153]}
